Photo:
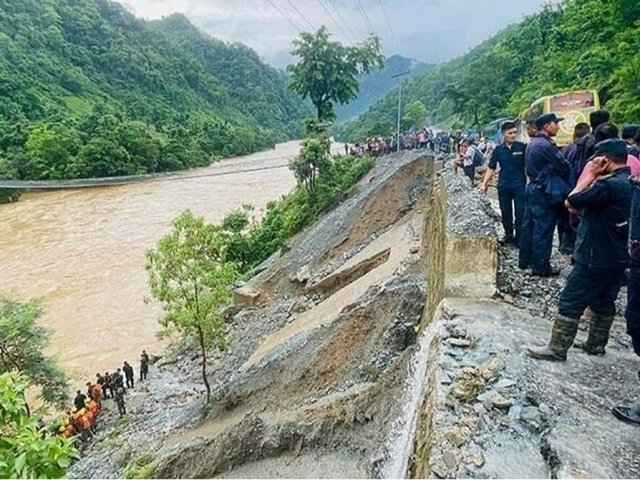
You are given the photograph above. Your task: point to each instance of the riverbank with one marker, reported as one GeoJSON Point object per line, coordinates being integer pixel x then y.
{"type": "Point", "coordinates": [82, 252]}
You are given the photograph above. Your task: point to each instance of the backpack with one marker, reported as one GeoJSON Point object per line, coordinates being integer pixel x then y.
{"type": "Point", "coordinates": [478, 157]}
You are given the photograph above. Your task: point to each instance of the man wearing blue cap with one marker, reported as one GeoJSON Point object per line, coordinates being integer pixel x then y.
{"type": "Point", "coordinates": [546, 169]}
{"type": "Point", "coordinates": [600, 256]}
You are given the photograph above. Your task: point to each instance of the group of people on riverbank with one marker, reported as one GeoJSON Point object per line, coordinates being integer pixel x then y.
{"type": "Point", "coordinates": [425, 138]}
{"type": "Point", "coordinates": [81, 421]}
{"type": "Point", "coordinates": [590, 192]}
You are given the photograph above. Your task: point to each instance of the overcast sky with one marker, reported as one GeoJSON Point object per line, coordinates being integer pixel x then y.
{"type": "Point", "coordinates": [429, 30]}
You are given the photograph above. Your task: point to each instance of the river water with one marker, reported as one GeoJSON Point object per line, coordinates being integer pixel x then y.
{"type": "Point", "coordinates": [82, 252]}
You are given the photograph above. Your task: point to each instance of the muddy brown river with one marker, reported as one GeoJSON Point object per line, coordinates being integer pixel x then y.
{"type": "Point", "coordinates": [82, 251]}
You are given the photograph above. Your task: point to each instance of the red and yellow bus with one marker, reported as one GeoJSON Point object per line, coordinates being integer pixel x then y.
{"type": "Point", "coordinates": [574, 107]}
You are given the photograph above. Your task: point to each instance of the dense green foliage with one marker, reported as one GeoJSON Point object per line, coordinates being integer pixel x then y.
{"type": "Point", "coordinates": [327, 72]}
{"type": "Point", "coordinates": [190, 275]}
{"type": "Point", "coordinates": [22, 343]}
{"type": "Point", "coordinates": [26, 449]}
{"type": "Point", "coordinates": [251, 242]}
{"type": "Point", "coordinates": [377, 83]}
{"type": "Point", "coordinates": [579, 44]}
{"type": "Point", "coordinates": [414, 114]}
{"type": "Point", "coordinates": [87, 89]}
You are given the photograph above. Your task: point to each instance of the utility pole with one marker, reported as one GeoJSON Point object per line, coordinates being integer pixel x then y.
{"type": "Point", "coordinates": [399, 106]}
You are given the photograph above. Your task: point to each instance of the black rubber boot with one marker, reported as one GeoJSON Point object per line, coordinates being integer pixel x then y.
{"type": "Point", "coordinates": [627, 414]}
{"type": "Point", "coordinates": [599, 328]}
{"type": "Point", "coordinates": [550, 272]}
{"type": "Point", "coordinates": [562, 335]}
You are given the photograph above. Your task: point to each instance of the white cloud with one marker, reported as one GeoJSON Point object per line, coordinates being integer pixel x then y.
{"type": "Point", "coordinates": [430, 30]}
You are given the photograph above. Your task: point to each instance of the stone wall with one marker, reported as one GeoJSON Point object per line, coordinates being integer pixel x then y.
{"type": "Point", "coordinates": [434, 242]}
{"type": "Point", "coordinates": [459, 240]}
{"type": "Point", "coordinates": [461, 260]}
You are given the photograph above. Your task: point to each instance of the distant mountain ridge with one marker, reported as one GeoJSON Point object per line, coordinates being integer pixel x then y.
{"type": "Point", "coordinates": [89, 90]}
{"type": "Point", "coordinates": [377, 84]}
{"type": "Point", "coordinates": [569, 45]}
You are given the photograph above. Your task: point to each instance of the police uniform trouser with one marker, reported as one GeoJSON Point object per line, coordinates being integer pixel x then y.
{"type": "Point", "coordinates": [566, 234]}
{"type": "Point", "coordinates": [540, 220]}
{"type": "Point", "coordinates": [595, 288]}
{"type": "Point", "coordinates": [632, 313]}
{"type": "Point", "coordinates": [511, 196]}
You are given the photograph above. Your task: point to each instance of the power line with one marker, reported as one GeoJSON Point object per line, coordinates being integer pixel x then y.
{"type": "Point", "coordinates": [386, 17]}
{"type": "Point", "coordinates": [333, 18]}
{"type": "Point", "coordinates": [284, 14]}
{"type": "Point", "coordinates": [363, 12]}
{"type": "Point", "coordinates": [346, 24]}
{"type": "Point", "coordinates": [301, 14]}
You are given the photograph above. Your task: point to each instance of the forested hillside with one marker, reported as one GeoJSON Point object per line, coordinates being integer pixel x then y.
{"type": "Point", "coordinates": [376, 84]}
{"type": "Point", "coordinates": [87, 89]}
{"type": "Point", "coordinates": [577, 44]}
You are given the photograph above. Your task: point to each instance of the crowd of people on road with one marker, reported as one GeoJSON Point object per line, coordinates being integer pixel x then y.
{"type": "Point", "coordinates": [589, 191]}
{"type": "Point", "coordinates": [425, 138]}
{"type": "Point", "coordinates": [81, 421]}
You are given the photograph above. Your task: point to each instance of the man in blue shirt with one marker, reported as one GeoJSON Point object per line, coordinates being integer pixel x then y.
{"type": "Point", "coordinates": [511, 181]}
{"type": "Point", "coordinates": [600, 256]}
{"type": "Point", "coordinates": [543, 164]}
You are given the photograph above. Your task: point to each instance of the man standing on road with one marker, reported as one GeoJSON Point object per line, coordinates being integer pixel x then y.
{"type": "Point", "coordinates": [545, 167]}
{"type": "Point", "coordinates": [80, 400]}
{"type": "Point", "coordinates": [128, 374]}
{"type": "Point", "coordinates": [144, 365]}
{"type": "Point", "coordinates": [585, 147]}
{"type": "Point", "coordinates": [119, 396]}
{"type": "Point", "coordinates": [600, 257]}
{"type": "Point", "coordinates": [511, 181]}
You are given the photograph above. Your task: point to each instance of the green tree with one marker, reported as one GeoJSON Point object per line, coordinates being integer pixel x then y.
{"type": "Point", "coordinates": [190, 275]}
{"type": "Point", "coordinates": [414, 114]}
{"type": "Point", "coordinates": [311, 163]}
{"type": "Point", "coordinates": [22, 342]}
{"type": "Point", "coordinates": [102, 157]}
{"type": "Point", "coordinates": [52, 150]}
{"type": "Point", "coordinates": [236, 228]}
{"type": "Point", "coordinates": [26, 449]}
{"type": "Point", "coordinates": [328, 71]}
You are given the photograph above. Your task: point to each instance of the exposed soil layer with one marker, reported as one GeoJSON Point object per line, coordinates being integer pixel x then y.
{"type": "Point", "coordinates": [310, 385]}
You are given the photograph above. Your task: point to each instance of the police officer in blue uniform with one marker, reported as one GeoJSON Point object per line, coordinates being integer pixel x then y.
{"type": "Point", "coordinates": [511, 181]}
{"type": "Point", "coordinates": [546, 168]}
{"type": "Point", "coordinates": [600, 256]}
{"type": "Point", "coordinates": [632, 314]}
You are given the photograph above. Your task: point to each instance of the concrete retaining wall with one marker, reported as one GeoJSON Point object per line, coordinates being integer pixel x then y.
{"type": "Point", "coordinates": [459, 241]}
{"type": "Point", "coordinates": [461, 260]}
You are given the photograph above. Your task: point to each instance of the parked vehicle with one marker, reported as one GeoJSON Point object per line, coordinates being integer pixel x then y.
{"type": "Point", "coordinates": [574, 107]}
